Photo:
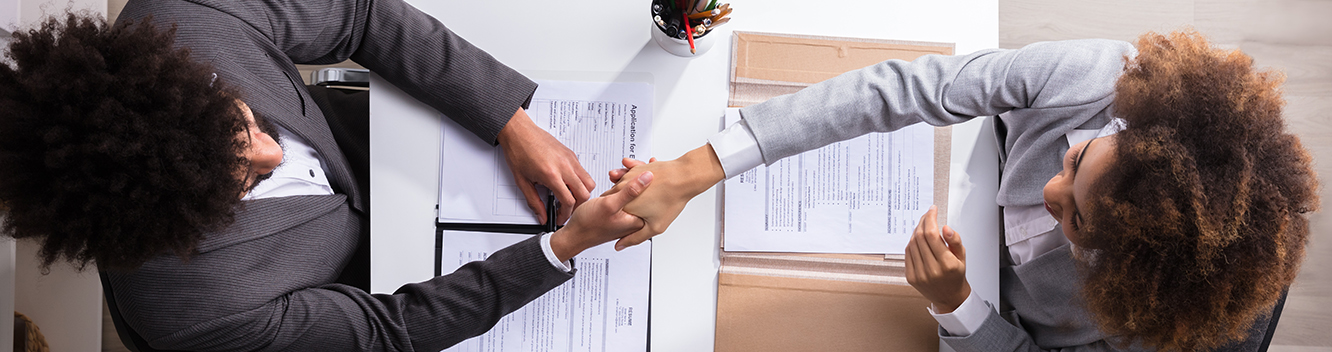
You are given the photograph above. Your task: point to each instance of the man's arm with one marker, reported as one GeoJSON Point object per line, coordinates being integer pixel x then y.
{"type": "Point", "coordinates": [221, 301]}
{"type": "Point", "coordinates": [425, 59]}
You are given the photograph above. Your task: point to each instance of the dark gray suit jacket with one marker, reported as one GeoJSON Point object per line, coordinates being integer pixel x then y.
{"type": "Point", "coordinates": [267, 282]}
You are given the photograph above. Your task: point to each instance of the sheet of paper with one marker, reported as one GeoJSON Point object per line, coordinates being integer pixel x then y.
{"type": "Point", "coordinates": [601, 122]}
{"type": "Point", "coordinates": [863, 195]}
{"type": "Point", "coordinates": [603, 308]}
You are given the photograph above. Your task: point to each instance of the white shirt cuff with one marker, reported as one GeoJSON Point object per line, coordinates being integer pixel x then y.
{"type": "Point", "coordinates": [966, 319]}
{"type": "Point", "coordinates": [550, 253]}
{"type": "Point", "coordinates": [736, 148]}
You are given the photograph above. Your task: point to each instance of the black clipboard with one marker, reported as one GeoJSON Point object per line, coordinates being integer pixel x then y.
{"type": "Point", "coordinates": [440, 227]}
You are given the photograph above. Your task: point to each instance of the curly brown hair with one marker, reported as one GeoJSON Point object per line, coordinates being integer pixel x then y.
{"type": "Point", "coordinates": [1199, 225]}
{"type": "Point", "coordinates": [115, 146]}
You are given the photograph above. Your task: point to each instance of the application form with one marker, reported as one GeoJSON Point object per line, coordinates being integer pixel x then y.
{"type": "Point", "coordinates": [603, 308]}
{"type": "Point", "coordinates": [600, 122]}
{"type": "Point", "coordinates": [862, 195]}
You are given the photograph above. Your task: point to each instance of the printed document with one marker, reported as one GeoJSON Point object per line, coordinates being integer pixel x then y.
{"type": "Point", "coordinates": [601, 122]}
{"type": "Point", "coordinates": [862, 195]}
{"type": "Point", "coordinates": [603, 308]}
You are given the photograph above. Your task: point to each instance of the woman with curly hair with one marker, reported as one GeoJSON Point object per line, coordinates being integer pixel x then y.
{"type": "Point", "coordinates": [140, 147]}
{"type": "Point", "coordinates": [1176, 233]}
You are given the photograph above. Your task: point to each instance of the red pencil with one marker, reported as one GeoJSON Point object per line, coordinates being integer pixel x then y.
{"type": "Point", "coordinates": [689, 28]}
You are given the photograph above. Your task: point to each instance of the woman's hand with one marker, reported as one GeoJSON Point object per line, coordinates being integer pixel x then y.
{"type": "Point", "coordinates": [937, 265]}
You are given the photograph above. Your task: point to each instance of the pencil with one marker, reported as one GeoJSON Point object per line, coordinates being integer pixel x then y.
{"type": "Point", "coordinates": [721, 13]}
{"type": "Point", "coordinates": [719, 22]}
{"type": "Point", "coordinates": [699, 6]}
{"type": "Point", "coordinates": [704, 14]}
{"type": "Point", "coordinates": [689, 31]}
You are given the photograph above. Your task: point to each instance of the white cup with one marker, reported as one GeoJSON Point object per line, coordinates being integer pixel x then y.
{"type": "Point", "coordinates": [680, 47]}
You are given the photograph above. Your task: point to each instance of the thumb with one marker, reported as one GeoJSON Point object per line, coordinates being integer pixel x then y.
{"type": "Point", "coordinates": [635, 238]}
{"type": "Point", "coordinates": [631, 190]}
{"type": "Point", "coordinates": [954, 242]}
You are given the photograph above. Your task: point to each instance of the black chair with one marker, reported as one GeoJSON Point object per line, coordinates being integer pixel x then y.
{"type": "Point", "coordinates": [1272, 323]}
{"type": "Point", "coordinates": [1260, 334]}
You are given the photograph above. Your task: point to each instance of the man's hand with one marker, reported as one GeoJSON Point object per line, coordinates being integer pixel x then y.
{"type": "Point", "coordinates": [680, 180]}
{"type": "Point", "coordinates": [937, 269]}
{"type": "Point", "coordinates": [536, 157]}
{"type": "Point", "coordinates": [600, 220]}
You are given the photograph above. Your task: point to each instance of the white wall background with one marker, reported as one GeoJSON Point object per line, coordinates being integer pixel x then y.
{"type": "Point", "coordinates": [65, 304]}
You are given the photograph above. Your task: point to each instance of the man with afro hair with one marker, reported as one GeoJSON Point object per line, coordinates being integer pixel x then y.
{"type": "Point", "coordinates": [150, 148]}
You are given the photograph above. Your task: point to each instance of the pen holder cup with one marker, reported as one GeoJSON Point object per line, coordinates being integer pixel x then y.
{"type": "Point", "coordinates": [680, 47]}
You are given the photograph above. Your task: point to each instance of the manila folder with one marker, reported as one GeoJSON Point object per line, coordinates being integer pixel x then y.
{"type": "Point", "coordinates": [818, 302]}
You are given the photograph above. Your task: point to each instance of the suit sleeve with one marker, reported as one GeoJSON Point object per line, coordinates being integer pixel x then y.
{"type": "Point", "coordinates": [427, 316]}
{"type": "Point", "coordinates": [996, 334]}
{"type": "Point", "coordinates": [411, 50]}
{"type": "Point", "coordinates": [938, 90]}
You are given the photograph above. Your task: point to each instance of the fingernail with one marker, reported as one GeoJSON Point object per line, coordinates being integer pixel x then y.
{"type": "Point", "coordinates": [619, 247]}
{"type": "Point", "coordinates": [645, 177]}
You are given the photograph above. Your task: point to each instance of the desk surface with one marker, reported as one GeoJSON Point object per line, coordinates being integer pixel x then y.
{"type": "Point", "coordinates": [609, 41]}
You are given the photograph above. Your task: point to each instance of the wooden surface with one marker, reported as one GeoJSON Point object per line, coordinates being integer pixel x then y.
{"type": "Point", "coordinates": [1290, 35]}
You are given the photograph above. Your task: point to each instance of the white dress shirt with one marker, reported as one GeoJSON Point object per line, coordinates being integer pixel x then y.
{"type": "Point", "coordinates": [302, 173]}
{"type": "Point", "coordinates": [1029, 231]}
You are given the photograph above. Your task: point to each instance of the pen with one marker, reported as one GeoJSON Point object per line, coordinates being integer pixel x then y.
{"type": "Point", "coordinates": [672, 27]}
{"type": "Point", "coordinates": [550, 213]}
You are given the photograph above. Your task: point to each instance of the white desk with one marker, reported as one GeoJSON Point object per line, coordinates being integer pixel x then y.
{"type": "Point", "coordinates": [606, 40]}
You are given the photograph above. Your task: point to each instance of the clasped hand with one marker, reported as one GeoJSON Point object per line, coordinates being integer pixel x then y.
{"type": "Point", "coordinates": [678, 181]}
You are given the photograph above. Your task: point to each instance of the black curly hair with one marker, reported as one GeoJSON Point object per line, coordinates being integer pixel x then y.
{"type": "Point", "coordinates": [1202, 221]}
{"type": "Point", "coordinates": [115, 146]}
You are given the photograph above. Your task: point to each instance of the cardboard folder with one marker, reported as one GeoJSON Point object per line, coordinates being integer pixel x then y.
{"type": "Point", "coordinates": [820, 302]}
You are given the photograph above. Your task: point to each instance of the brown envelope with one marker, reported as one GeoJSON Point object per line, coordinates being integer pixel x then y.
{"type": "Point", "coordinates": [820, 302]}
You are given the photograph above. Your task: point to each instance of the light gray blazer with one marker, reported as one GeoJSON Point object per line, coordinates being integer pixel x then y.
{"type": "Point", "coordinates": [267, 282]}
{"type": "Point", "coordinates": [1040, 92]}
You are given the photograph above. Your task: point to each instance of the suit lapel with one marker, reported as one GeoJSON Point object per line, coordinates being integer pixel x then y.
{"type": "Point", "coordinates": [272, 87]}
{"type": "Point", "coordinates": [263, 217]}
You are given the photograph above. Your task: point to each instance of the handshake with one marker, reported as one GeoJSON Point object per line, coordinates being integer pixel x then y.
{"type": "Point", "coordinates": [645, 200]}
